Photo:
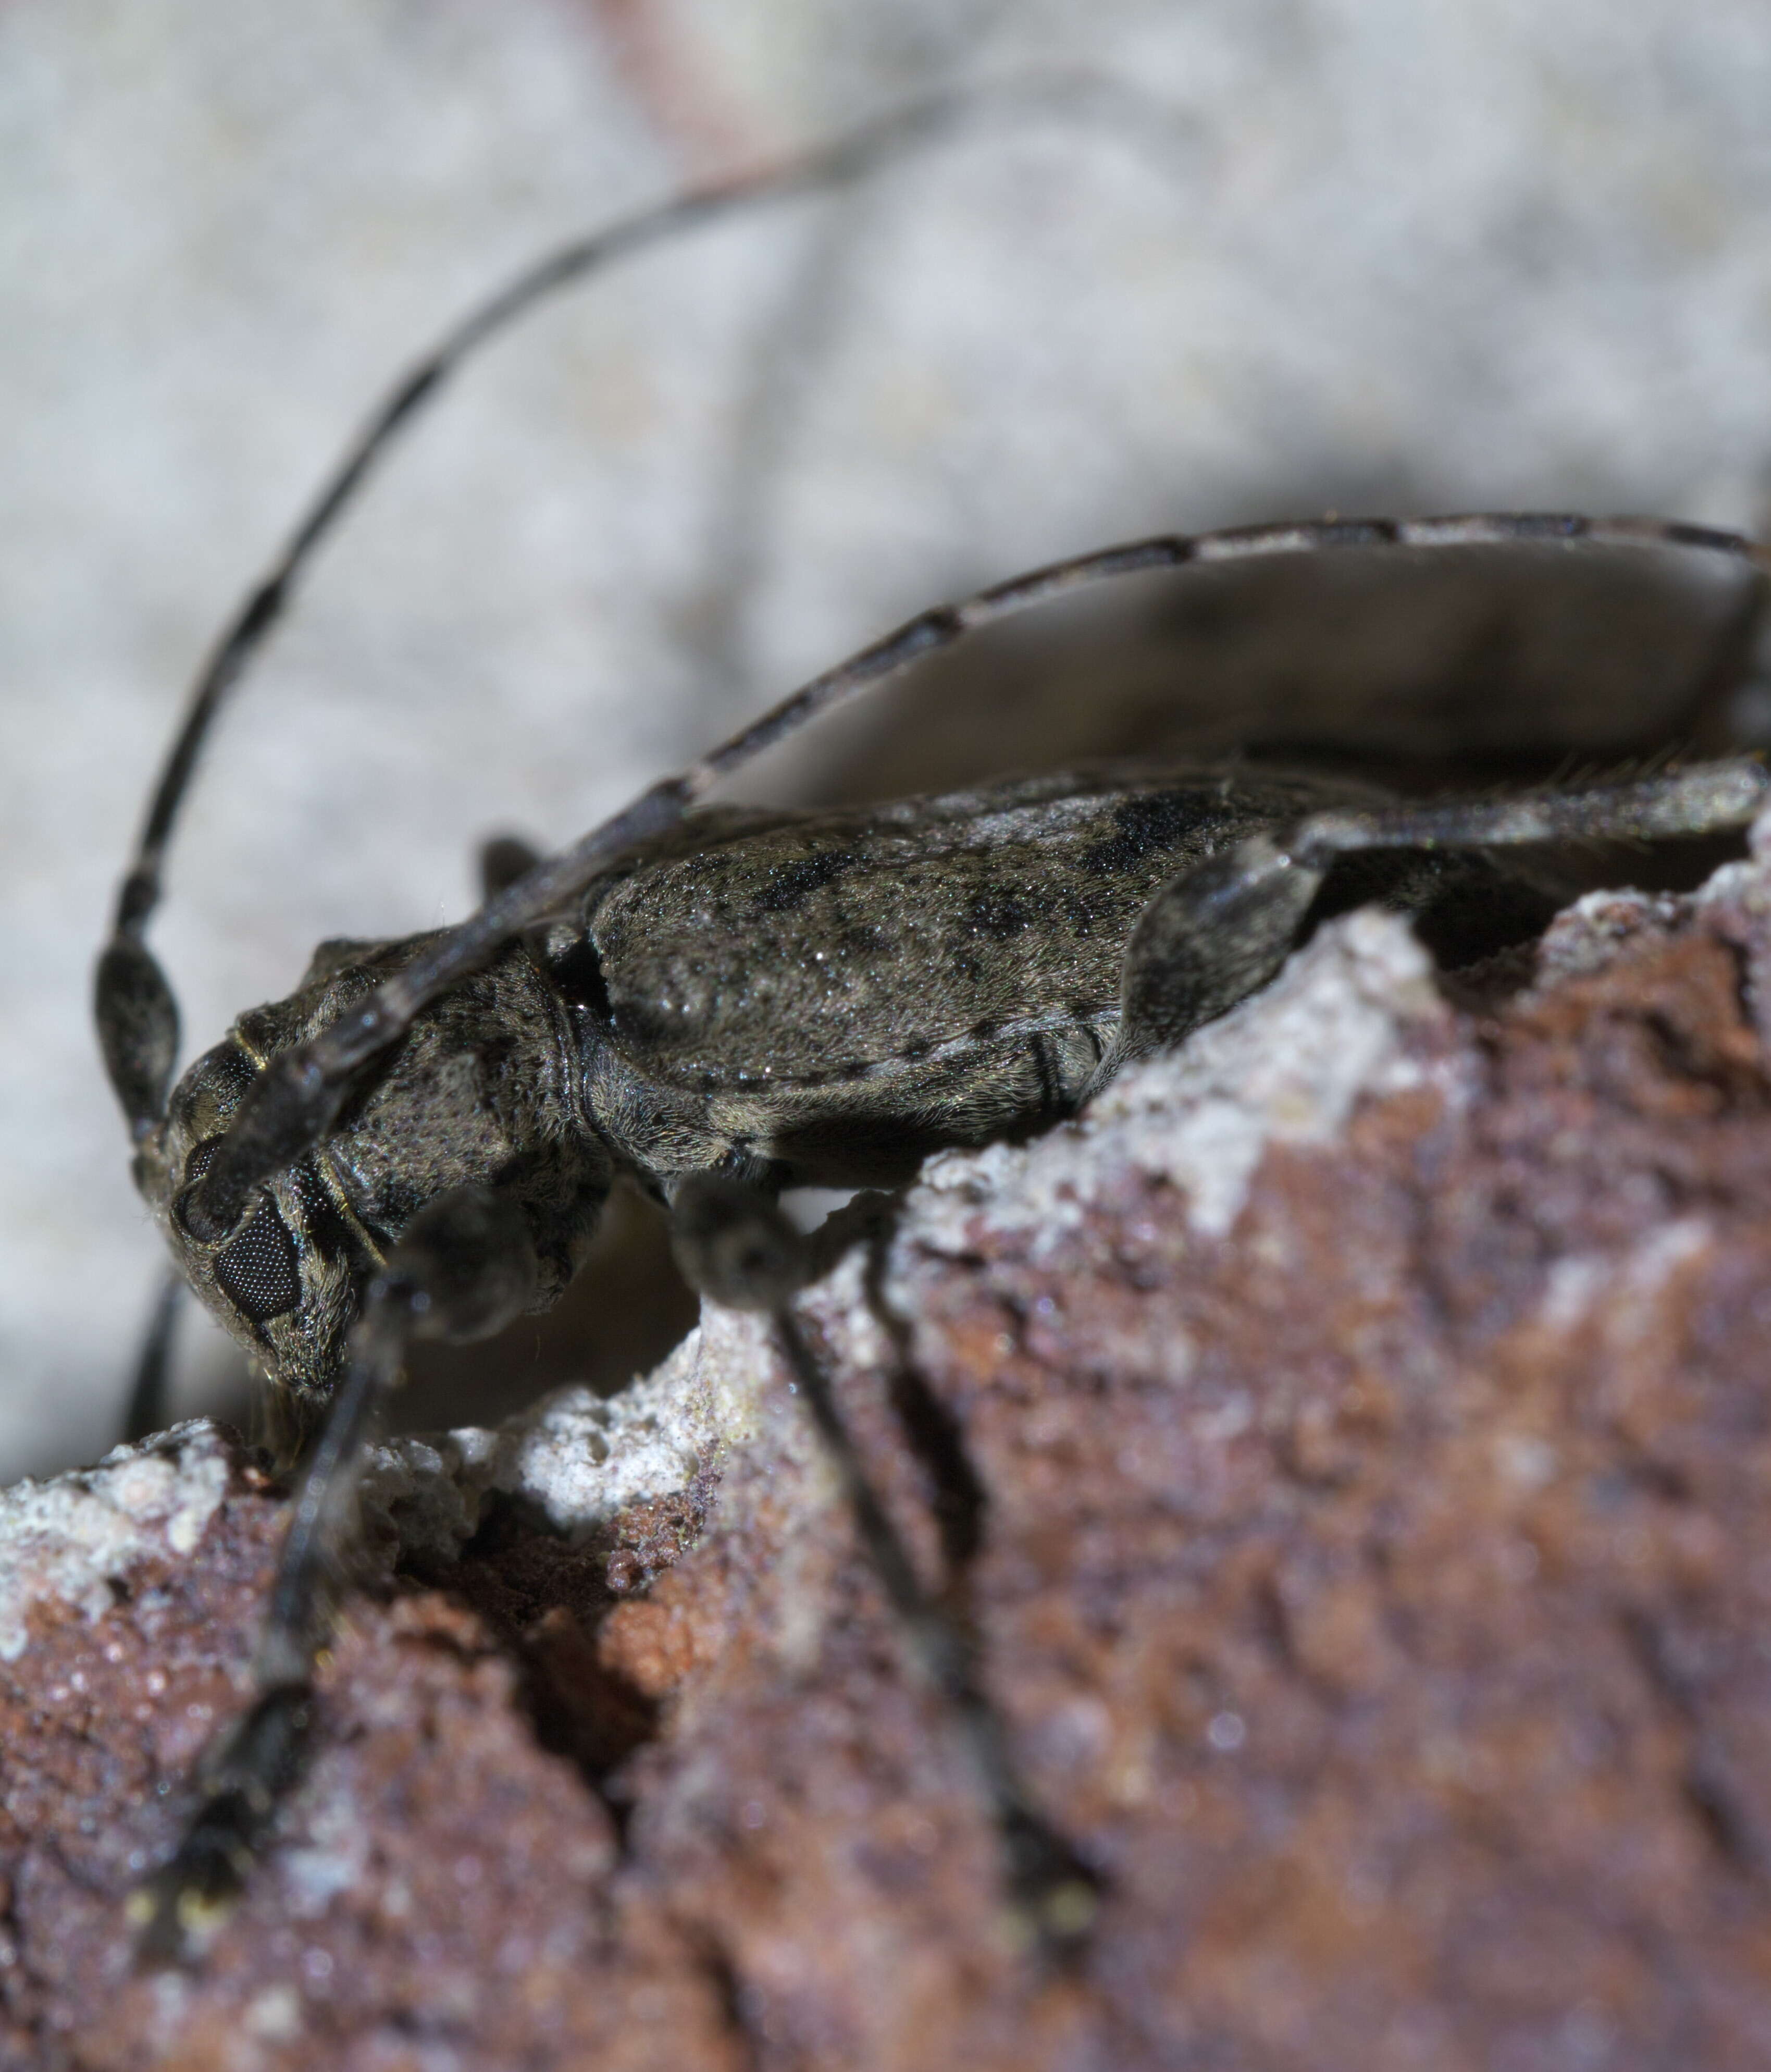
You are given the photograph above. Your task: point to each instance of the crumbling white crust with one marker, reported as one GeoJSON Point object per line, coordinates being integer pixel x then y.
{"type": "Point", "coordinates": [1285, 1067]}
{"type": "Point", "coordinates": [69, 1540]}
{"type": "Point", "coordinates": [576, 1459]}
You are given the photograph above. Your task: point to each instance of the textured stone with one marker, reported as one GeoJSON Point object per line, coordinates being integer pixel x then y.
{"type": "Point", "coordinates": [79, 1537]}
{"type": "Point", "coordinates": [575, 1460]}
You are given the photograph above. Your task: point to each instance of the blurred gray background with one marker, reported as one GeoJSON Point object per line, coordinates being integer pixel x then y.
{"type": "Point", "coordinates": [1359, 254]}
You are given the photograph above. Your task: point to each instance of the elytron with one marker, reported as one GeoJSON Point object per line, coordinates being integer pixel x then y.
{"type": "Point", "coordinates": [715, 1003]}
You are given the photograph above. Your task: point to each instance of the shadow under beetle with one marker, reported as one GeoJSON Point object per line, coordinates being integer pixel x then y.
{"type": "Point", "coordinates": [716, 1003]}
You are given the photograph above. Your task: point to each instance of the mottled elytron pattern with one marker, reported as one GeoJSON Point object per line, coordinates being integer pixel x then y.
{"type": "Point", "coordinates": [826, 997]}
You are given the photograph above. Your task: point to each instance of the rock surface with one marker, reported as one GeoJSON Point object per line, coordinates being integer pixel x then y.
{"type": "Point", "coordinates": [1350, 1442]}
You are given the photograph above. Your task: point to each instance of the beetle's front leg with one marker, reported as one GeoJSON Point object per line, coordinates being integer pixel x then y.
{"type": "Point", "coordinates": [465, 1267]}
{"type": "Point", "coordinates": [736, 1247]}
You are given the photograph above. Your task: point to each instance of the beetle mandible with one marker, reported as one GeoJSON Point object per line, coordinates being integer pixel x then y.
{"type": "Point", "coordinates": [716, 1003]}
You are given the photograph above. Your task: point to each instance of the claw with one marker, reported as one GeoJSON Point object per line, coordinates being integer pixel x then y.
{"type": "Point", "coordinates": [178, 1911]}
{"type": "Point", "coordinates": [177, 1914]}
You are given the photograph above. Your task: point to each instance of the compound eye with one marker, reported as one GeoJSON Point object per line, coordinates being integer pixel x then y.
{"type": "Point", "coordinates": [257, 1272]}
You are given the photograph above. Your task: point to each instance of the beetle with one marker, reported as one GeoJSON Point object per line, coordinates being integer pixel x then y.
{"type": "Point", "coordinates": [716, 1003]}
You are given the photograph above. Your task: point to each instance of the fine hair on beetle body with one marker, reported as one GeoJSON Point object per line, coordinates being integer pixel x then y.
{"type": "Point", "coordinates": [713, 1003]}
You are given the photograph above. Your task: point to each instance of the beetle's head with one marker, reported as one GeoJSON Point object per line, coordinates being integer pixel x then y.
{"type": "Point", "coordinates": [479, 1090]}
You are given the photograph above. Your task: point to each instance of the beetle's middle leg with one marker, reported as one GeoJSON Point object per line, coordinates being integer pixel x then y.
{"type": "Point", "coordinates": [736, 1247]}
{"type": "Point", "coordinates": [1221, 929]}
{"type": "Point", "coordinates": [503, 860]}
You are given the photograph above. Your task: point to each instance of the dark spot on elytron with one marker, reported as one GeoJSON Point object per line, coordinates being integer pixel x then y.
{"type": "Point", "coordinates": [790, 883]}
{"type": "Point", "coordinates": [998, 915]}
{"type": "Point", "coordinates": [862, 940]}
{"type": "Point", "coordinates": [983, 1030]}
{"type": "Point", "coordinates": [1152, 821]}
{"type": "Point", "coordinates": [493, 1053]}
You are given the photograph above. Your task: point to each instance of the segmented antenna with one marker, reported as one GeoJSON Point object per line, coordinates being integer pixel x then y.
{"type": "Point", "coordinates": [293, 1103]}
{"type": "Point", "coordinates": [136, 1015]}
{"type": "Point", "coordinates": [830, 166]}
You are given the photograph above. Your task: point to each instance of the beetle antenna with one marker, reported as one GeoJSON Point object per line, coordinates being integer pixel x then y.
{"type": "Point", "coordinates": [295, 1100]}
{"type": "Point", "coordinates": [137, 1017]}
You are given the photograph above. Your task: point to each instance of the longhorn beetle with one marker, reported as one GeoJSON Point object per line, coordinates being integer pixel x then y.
{"type": "Point", "coordinates": [716, 1003]}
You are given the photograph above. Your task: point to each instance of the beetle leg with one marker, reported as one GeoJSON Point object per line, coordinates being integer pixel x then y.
{"type": "Point", "coordinates": [301, 1093]}
{"type": "Point", "coordinates": [1208, 939]}
{"type": "Point", "coordinates": [248, 1767]}
{"type": "Point", "coordinates": [736, 1247]}
{"type": "Point", "coordinates": [137, 1023]}
{"type": "Point", "coordinates": [465, 1267]}
{"type": "Point", "coordinates": [504, 860]}
{"type": "Point", "coordinates": [1219, 930]}
{"type": "Point", "coordinates": [1706, 721]}
{"type": "Point", "coordinates": [1705, 799]}
{"type": "Point", "coordinates": [147, 1412]}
